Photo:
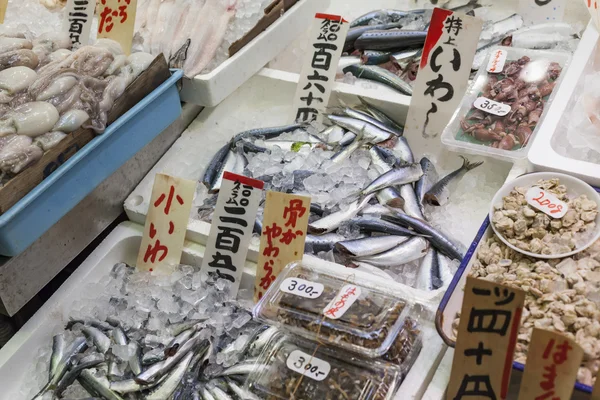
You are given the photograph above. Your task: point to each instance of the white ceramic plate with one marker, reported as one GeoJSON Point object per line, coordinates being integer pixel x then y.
{"type": "Point", "coordinates": [575, 187]}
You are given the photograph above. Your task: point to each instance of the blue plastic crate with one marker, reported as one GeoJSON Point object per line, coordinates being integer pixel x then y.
{"type": "Point", "coordinates": [56, 195]}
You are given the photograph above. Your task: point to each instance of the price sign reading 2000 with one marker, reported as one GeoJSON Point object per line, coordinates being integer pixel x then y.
{"type": "Point", "coordinates": [302, 287]}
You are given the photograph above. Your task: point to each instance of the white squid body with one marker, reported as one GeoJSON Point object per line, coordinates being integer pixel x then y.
{"type": "Point", "coordinates": [59, 86]}
{"type": "Point", "coordinates": [10, 43]}
{"type": "Point", "coordinates": [71, 121]}
{"type": "Point", "coordinates": [49, 139]}
{"type": "Point", "coordinates": [30, 119]}
{"type": "Point", "coordinates": [15, 79]}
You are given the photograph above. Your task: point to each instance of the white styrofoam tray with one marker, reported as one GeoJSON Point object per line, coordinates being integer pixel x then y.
{"type": "Point", "coordinates": [543, 154]}
{"type": "Point", "coordinates": [122, 245]}
{"type": "Point", "coordinates": [211, 88]}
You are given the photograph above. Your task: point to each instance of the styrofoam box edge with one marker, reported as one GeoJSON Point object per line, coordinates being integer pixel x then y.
{"type": "Point", "coordinates": [211, 88]}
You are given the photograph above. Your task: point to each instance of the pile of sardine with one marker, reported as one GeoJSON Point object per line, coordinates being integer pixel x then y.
{"type": "Point", "coordinates": [382, 223]}
{"type": "Point", "coordinates": [48, 90]}
{"type": "Point", "coordinates": [190, 357]}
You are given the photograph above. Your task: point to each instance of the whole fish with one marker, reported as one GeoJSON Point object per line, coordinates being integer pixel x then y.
{"type": "Point", "coordinates": [381, 75]}
{"type": "Point", "coordinates": [101, 341]}
{"type": "Point", "coordinates": [390, 197]}
{"type": "Point", "coordinates": [397, 176]}
{"type": "Point", "coordinates": [58, 351]}
{"type": "Point", "coordinates": [411, 204]}
{"type": "Point", "coordinates": [356, 114]}
{"type": "Point", "coordinates": [79, 345]}
{"type": "Point", "coordinates": [347, 151]}
{"type": "Point", "coordinates": [411, 250]}
{"type": "Point", "coordinates": [381, 116]}
{"type": "Point", "coordinates": [251, 147]}
{"type": "Point", "coordinates": [371, 224]}
{"type": "Point", "coordinates": [176, 328]}
{"type": "Point", "coordinates": [70, 377]}
{"type": "Point", "coordinates": [168, 386]}
{"type": "Point", "coordinates": [439, 194]}
{"type": "Point", "coordinates": [213, 168]}
{"type": "Point", "coordinates": [96, 386]}
{"type": "Point", "coordinates": [118, 336]}
{"type": "Point", "coordinates": [380, 159]}
{"type": "Point", "coordinates": [426, 182]}
{"type": "Point", "coordinates": [443, 244]}
{"type": "Point", "coordinates": [334, 220]}
{"type": "Point", "coordinates": [385, 14]}
{"type": "Point", "coordinates": [319, 243]}
{"type": "Point", "coordinates": [227, 165]}
{"type": "Point", "coordinates": [428, 277]}
{"type": "Point", "coordinates": [355, 32]}
{"type": "Point", "coordinates": [370, 133]}
{"type": "Point", "coordinates": [370, 245]}
{"type": "Point", "coordinates": [390, 39]}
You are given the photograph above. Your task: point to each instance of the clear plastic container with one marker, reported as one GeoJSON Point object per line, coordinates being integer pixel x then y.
{"type": "Point", "coordinates": [328, 309]}
{"type": "Point", "coordinates": [293, 368]}
{"type": "Point", "coordinates": [500, 113]}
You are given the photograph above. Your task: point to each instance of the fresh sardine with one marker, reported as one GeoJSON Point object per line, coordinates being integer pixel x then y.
{"type": "Point", "coordinates": [334, 220]}
{"type": "Point", "coordinates": [411, 250]}
{"type": "Point", "coordinates": [381, 116]}
{"type": "Point", "coordinates": [168, 386]}
{"type": "Point", "coordinates": [411, 204]}
{"type": "Point", "coordinates": [439, 194]}
{"type": "Point", "coordinates": [370, 245]}
{"type": "Point", "coordinates": [101, 341]}
{"type": "Point", "coordinates": [177, 341]}
{"type": "Point", "coordinates": [319, 243]}
{"type": "Point", "coordinates": [381, 75]}
{"type": "Point", "coordinates": [355, 32]}
{"type": "Point", "coordinates": [371, 224]}
{"type": "Point", "coordinates": [228, 165]}
{"type": "Point", "coordinates": [428, 277]}
{"type": "Point", "coordinates": [352, 113]}
{"type": "Point", "coordinates": [58, 351]}
{"type": "Point", "coordinates": [118, 336]}
{"type": "Point", "coordinates": [390, 197]}
{"type": "Point", "coordinates": [213, 168]}
{"type": "Point", "coordinates": [397, 176]}
{"type": "Point", "coordinates": [425, 182]}
{"type": "Point", "coordinates": [90, 382]}
{"type": "Point", "coordinates": [390, 39]}
{"type": "Point", "coordinates": [370, 133]}
{"type": "Point", "coordinates": [347, 151]}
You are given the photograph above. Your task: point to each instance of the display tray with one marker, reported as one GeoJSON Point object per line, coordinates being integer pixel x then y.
{"type": "Point", "coordinates": [211, 88]}
{"type": "Point", "coordinates": [37, 198]}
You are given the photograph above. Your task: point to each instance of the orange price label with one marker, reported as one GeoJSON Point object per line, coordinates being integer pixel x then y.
{"type": "Point", "coordinates": [285, 221]}
{"type": "Point", "coordinates": [166, 224]}
{"type": "Point", "coordinates": [116, 21]}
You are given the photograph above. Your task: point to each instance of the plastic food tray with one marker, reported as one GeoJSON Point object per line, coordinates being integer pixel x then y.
{"type": "Point", "coordinates": [452, 301]}
{"type": "Point", "coordinates": [211, 88]}
{"type": "Point", "coordinates": [49, 201]}
{"type": "Point", "coordinates": [542, 154]}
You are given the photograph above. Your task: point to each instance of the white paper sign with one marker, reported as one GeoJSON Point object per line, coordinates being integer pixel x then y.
{"type": "Point", "coordinates": [80, 14]}
{"type": "Point", "coordinates": [497, 61]}
{"type": "Point", "coordinates": [302, 287]}
{"type": "Point", "coordinates": [491, 106]}
{"type": "Point", "coordinates": [546, 202]}
{"type": "Point", "coordinates": [443, 73]}
{"type": "Point", "coordinates": [326, 41]}
{"type": "Point", "coordinates": [541, 11]}
{"type": "Point", "coordinates": [231, 228]}
{"type": "Point", "coordinates": [342, 302]}
{"type": "Point", "coordinates": [307, 365]}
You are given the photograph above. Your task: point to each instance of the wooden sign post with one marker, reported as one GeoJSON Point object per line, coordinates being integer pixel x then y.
{"type": "Point", "coordinates": [166, 224]}
{"type": "Point", "coordinates": [552, 364]}
{"type": "Point", "coordinates": [285, 221]}
{"type": "Point", "coordinates": [116, 21]}
{"type": "Point", "coordinates": [487, 336]}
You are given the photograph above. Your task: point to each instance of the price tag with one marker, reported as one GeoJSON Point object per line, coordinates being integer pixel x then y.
{"type": "Point", "coordinates": [3, 6]}
{"type": "Point", "coordinates": [546, 202]}
{"type": "Point", "coordinates": [116, 21]}
{"type": "Point", "coordinates": [491, 106]}
{"type": "Point", "coordinates": [540, 11]}
{"type": "Point", "coordinates": [486, 340]}
{"type": "Point", "coordinates": [443, 72]}
{"type": "Point", "coordinates": [231, 228]}
{"type": "Point", "coordinates": [166, 224]}
{"type": "Point", "coordinates": [307, 365]}
{"type": "Point", "coordinates": [282, 240]}
{"type": "Point", "coordinates": [342, 302]}
{"type": "Point", "coordinates": [497, 61]}
{"type": "Point", "coordinates": [302, 288]}
{"type": "Point", "coordinates": [80, 14]}
{"type": "Point", "coordinates": [326, 42]}
{"type": "Point", "coordinates": [552, 364]}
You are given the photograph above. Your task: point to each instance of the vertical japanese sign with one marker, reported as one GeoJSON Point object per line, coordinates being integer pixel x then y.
{"type": "Point", "coordinates": [443, 73]}
{"type": "Point", "coordinates": [541, 11]}
{"type": "Point", "coordinates": [116, 21]}
{"type": "Point", "coordinates": [326, 40]}
{"type": "Point", "coordinates": [166, 223]}
{"type": "Point", "coordinates": [282, 240]}
{"type": "Point", "coordinates": [552, 364]}
{"type": "Point", "coordinates": [80, 14]}
{"type": "Point", "coordinates": [231, 228]}
{"type": "Point", "coordinates": [3, 6]}
{"type": "Point", "coordinates": [592, 6]}
{"type": "Point", "coordinates": [485, 345]}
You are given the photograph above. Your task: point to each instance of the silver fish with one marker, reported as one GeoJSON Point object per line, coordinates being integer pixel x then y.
{"type": "Point", "coordinates": [370, 245]}
{"type": "Point", "coordinates": [370, 133]}
{"type": "Point", "coordinates": [379, 15]}
{"type": "Point", "coordinates": [135, 362]}
{"type": "Point", "coordinates": [374, 224]}
{"type": "Point", "coordinates": [426, 182]}
{"type": "Point", "coordinates": [240, 392]}
{"type": "Point", "coordinates": [411, 250]}
{"type": "Point", "coordinates": [347, 151]}
{"type": "Point", "coordinates": [347, 138]}
{"type": "Point", "coordinates": [213, 168]}
{"type": "Point", "coordinates": [428, 277]}
{"type": "Point", "coordinates": [375, 210]}
{"type": "Point", "coordinates": [97, 386]}
{"type": "Point", "coordinates": [177, 341]}
{"type": "Point", "coordinates": [381, 116]}
{"type": "Point", "coordinates": [397, 176]}
{"type": "Point", "coordinates": [206, 395]}
{"type": "Point", "coordinates": [103, 326]}
{"type": "Point", "coordinates": [70, 377]}
{"type": "Point", "coordinates": [220, 394]}
{"type": "Point", "coordinates": [334, 220]}
{"type": "Point", "coordinates": [153, 356]}
{"type": "Point", "coordinates": [79, 345]}
{"type": "Point", "coordinates": [101, 341]}
{"type": "Point", "coordinates": [262, 339]}
{"type": "Point", "coordinates": [390, 197]}
{"type": "Point", "coordinates": [118, 336]}
{"type": "Point", "coordinates": [130, 386]}
{"type": "Point", "coordinates": [371, 269]}
{"type": "Point", "coordinates": [439, 194]}
{"type": "Point", "coordinates": [446, 274]}
{"type": "Point", "coordinates": [381, 75]}
{"type": "Point", "coordinates": [411, 204]}
{"type": "Point", "coordinates": [168, 386]}
{"type": "Point", "coordinates": [379, 160]}
{"type": "Point", "coordinates": [177, 328]}
{"type": "Point", "coordinates": [356, 114]}
{"type": "Point", "coordinates": [532, 40]}
{"type": "Point", "coordinates": [115, 370]}
{"type": "Point", "coordinates": [355, 32]}
{"type": "Point", "coordinates": [438, 239]}
{"type": "Point", "coordinates": [403, 151]}
{"type": "Point", "coordinates": [243, 368]}
{"type": "Point", "coordinates": [228, 165]}
{"type": "Point", "coordinates": [58, 351]}
{"type": "Point", "coordinates": [318, 243]}
{"type": "Point", "coordinates": [390, 39]}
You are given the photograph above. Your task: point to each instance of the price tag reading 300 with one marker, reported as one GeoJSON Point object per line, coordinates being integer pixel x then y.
{"type": "Point", "coordinates": [492, 107]}
{"type": "Point", "coordinates": [307, 365]}
{"type": "Point", "coordinates": [302, 287]}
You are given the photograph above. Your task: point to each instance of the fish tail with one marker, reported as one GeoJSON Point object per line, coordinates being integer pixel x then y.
{"type": "Point", "coordinates": [470, 165]}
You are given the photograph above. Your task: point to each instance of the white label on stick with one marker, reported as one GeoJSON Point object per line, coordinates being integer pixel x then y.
{"type": "Point", "coordinates": [80, 14]}
{"type": "Point", "coordinates": [546, 202]}
{"type": "Point", "coordinates": [497, 61]}
{"type": "Point", "coordinates": [307, 365]}
{"type": "Point", "coordinates": [491, 106]}
{"type": "Point", "coordinates": [342, 302]}
{"type": "Point", "coordinates": [302, 288]}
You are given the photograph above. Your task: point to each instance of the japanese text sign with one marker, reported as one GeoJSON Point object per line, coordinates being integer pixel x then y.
{"type": "Point", "coordinates": [486, 340]}
{"type": "Point", "coordinates": [541, 11]}
{"type": "Point", "coordinates": [552, 364]}
{"type": "Point", "coordinates": [80, 14]}
{"type": "Point", "coordinates": [326, 42]}
{"type": "Point", "coordinates": [166, 224]}
{"type": "Point", "coordinates": [3, 6]}
{"type": "Point", "coordinates": [116, 21]}
{"type": "Point", "coordinates": [443, 73]}
{"type": "Point", "coordinates": [282, 240]}
{"type": "Point", "coordinates": [592, 6]}
{"type": "Point", "coordinates": [231, 229]}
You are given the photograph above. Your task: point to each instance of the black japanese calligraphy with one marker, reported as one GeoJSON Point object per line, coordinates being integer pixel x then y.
{"type": "Point", "coordinates": [475, 385]}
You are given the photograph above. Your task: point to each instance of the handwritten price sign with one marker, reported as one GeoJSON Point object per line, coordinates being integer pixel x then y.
{"type": "Point", "coordinates": [308, 365]}
{"type": "Point", "coordinates": [497, 61]}
{"type": "Point", "coordinates": [342, 302]}
{"type": "Point", "coordinates": [491, 107]}
{"type": "Point", "coordinates": [302, 288]}
{"type": "Point", "coordinates": [546, 202]}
